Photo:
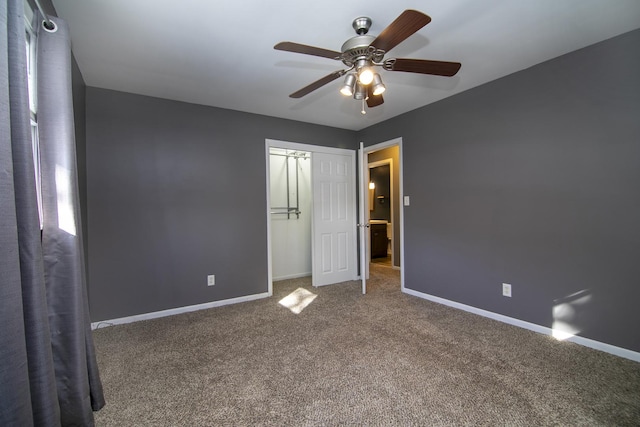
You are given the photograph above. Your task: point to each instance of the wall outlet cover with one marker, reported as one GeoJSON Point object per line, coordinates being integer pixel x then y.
{"type": "Point", "coordinates": [211, 280]}
{"type": "Point", "coordinates": [506, 290]}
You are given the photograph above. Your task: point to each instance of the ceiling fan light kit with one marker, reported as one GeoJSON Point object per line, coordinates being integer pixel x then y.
{"type": "Point", "coordinates": [378, 87]}
{"type": "Point", "coordinates": [361, 91]}
{"type": "Point", "coordinates": [349, 85]}
{"type": "Point", "coordinates": [365, 75]}
{"type": "Point", "coordinates": [362, 53]}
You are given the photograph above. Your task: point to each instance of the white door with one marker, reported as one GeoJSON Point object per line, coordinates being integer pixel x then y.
{"type": "Point", "coordinates": [334, 219]}
{"type": "Point", "coordinates": [363, 216]}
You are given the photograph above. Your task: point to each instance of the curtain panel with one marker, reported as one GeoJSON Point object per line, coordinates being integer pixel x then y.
{"type": "Point", "coordinates": [48, 370]}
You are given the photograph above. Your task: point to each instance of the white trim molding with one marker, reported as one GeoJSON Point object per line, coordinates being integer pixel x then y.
{"type": "Point", "coordinates": [179, 310]}
{"type": "Point", "coordinates": [597, 345]}
{"type": "Point", "coordinates": [292, 276]}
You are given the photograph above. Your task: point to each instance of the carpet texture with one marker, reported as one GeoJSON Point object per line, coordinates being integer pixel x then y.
{"type": "Point", "coordinates": [382, 359]}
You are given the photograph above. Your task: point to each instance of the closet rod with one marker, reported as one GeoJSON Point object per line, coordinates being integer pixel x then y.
{"type": "Point", "coordinates": [285, 213]}
{"type": "Point", "coordinates": [47, 22]}
{"type": "Point", "coordinates": [295, 155]}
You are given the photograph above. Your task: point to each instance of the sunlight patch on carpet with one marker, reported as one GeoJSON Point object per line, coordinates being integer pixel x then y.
{"type": "Point", "coordinates": [297, 300]}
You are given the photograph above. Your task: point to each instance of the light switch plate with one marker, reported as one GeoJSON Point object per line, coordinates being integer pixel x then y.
{"type": "Point", "coordinates": [406, 200]}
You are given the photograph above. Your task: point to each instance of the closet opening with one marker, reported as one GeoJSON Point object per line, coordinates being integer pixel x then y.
{"type": "Point", "coordinates": [311, 213]}
{"type": "Point", "coordinates": [290, 212]}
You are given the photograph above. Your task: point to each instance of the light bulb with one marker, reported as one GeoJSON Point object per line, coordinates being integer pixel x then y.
{"type": "Point", "coordinates": [378, 86]}
{"type": "Point", "coordinates": [349, 83]}
{"type": "Point", "coordinates": [346, 91]}
{"type": "Point", "coordinates": [366, 76]}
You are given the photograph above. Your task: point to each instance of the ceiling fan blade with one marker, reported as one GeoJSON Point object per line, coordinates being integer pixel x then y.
{"type": "Point", "coordinates": [405, 25]}
{"type": "Point", "coordinates": [307, 50]}
{"type": "Point", "coordinates": [317, 84]}
{"type": "Point", "coordinates": [373, 100]}
{"type": "Point", "coordinates": [422, 66]}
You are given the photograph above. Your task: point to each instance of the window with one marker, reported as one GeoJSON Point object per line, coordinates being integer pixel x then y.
{"type": "Point", "coordinates": [31, 82]}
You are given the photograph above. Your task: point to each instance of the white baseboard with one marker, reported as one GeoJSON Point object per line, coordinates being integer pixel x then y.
{"type": "Point", "coordinates": [179, 310]}
{"type": "Point", "coordinates": [607, 348]}
{"type": "Point", "coordinates": [292, 276]}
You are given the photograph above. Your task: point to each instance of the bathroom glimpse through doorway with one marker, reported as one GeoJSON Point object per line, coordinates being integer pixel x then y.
{"type": "Point", "coordinates": [381, 199]}
{"type": "Point", "coordinates": [383, 208]}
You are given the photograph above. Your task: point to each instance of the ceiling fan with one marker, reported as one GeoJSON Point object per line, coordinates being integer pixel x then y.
{"type": "Point", "coordinates": [362, 53]}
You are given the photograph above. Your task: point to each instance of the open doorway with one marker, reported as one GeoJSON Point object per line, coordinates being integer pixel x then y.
{"type": "Point", "coordinates": [290, 212]}
{"type": "Point", "coordinates": [381, 196]}
{"type": "Point", "coordinates": [381, 200]}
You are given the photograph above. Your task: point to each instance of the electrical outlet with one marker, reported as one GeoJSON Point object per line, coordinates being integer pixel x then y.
{"type": "Point", "coordinates": [506, 290]}
{"type": "Point", "coordinates": [211, 280]}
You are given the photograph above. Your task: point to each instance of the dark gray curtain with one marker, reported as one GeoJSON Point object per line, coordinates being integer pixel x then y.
{"type": "Point", "coordinates": [48, 372]}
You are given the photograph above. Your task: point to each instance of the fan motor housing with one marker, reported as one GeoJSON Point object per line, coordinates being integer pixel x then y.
{"type": "Point", "coordinates": [357, 48]}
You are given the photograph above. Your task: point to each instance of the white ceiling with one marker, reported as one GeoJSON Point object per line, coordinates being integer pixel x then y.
{"type": "Point", "coordinates": [220, 53]}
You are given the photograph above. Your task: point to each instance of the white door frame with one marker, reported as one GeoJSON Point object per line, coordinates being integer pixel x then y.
{"type": "Point", "coordinates": [269, 143]}
{"type": "Point", "coordinates": [364, 189]}
{"type": "Point", "coordinates": [363, 218]}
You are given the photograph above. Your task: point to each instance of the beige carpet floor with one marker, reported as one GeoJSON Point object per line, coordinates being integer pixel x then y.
{"type": "Point", "coordinates": [383, 359]}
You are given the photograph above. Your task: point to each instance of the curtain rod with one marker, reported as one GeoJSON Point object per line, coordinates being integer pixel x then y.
{"type": "Point", "coordinates": [47, 22]}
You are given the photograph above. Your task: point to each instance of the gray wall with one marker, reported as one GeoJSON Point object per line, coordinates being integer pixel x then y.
{"type": "Point", "coordinates": [533, 180]}
{"type": "Point", "coordinates": [530, 180]}
{"type": "Point", "coordinates": [177, 191]}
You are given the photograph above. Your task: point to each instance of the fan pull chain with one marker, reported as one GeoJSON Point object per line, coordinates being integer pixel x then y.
{"type": "Point", "coordinates": [363, 110]}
